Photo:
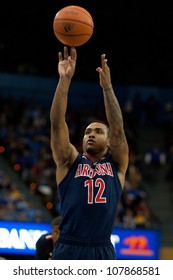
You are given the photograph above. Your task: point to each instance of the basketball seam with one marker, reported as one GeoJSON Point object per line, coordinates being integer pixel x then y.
{"type": "Point", "coordinates": [71, 20]}
{"type": "Point", "coordinates": [72, 35]}
{"type": "Point", "coordinates": [82, 10]}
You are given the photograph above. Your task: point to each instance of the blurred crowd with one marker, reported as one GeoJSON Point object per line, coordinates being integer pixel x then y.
{"type": "Point", "coordinates": [25, 143]}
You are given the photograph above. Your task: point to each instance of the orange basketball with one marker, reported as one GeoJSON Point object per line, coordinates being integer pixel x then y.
{"type": "Point", "coordinates": [73, 26]}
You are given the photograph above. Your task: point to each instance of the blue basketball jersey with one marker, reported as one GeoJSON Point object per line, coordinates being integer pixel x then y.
{"type": "Point", "coordinates": [89, 195]}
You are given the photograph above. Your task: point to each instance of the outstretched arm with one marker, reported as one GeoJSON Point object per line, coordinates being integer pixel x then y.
{"type": "Point", "coordinates": [118, 143]}
{"type": "Point", "coordinates": [63, 151]}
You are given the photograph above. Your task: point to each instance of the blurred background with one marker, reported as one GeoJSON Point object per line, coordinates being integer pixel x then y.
{"type": "Point", "coordinates": [137, 39]}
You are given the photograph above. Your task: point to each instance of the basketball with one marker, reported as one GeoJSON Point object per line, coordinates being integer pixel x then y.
{"type": "Point", "coordinates": [73, 26]}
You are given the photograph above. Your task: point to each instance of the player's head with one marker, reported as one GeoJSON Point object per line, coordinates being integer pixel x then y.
{"type": "Point", "coordinates": [55, 228]}
{"type": "Point", "coordinates": [96, 138]}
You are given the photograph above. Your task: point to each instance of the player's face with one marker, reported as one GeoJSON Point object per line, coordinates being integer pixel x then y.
{"type": "Point", "coordinates": [95, 138]}
{"type": "Point", "coordinates": [55, 233]}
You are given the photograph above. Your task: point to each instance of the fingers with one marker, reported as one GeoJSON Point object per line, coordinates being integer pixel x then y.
{"type": "Point", "coordinates": [103, 61]}
{"type": "Point", "coordinates": [99, 69]}
{"type": "Point", "coordinates": [65, 52]}
{"type": "Point", "coordinates": [103, 57]}
{"type": "Point", "coordinates": [60, 56]}
{"type": "Point", "coordinates": [104, 66]}
{"type": "Point", "coordinates": [73, 54]}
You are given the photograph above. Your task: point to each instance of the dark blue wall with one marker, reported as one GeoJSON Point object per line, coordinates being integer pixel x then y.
{"type": "Point", "coordinates": [82, 94]}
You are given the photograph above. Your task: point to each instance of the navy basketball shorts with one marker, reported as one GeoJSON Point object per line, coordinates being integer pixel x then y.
{"type": "Point", "coordinates": [66, 249]}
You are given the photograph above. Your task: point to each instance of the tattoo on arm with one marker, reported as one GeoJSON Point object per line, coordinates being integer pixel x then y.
{"type": "Point", "coordinates": [113, 110]}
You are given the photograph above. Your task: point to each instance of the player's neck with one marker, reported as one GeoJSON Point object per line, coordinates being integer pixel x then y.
{"type": "Point", "coordinates": [94, 158]}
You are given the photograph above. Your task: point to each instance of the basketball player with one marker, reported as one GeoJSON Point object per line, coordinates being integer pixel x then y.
{"type": "Point", "coordinates": [45, 244]}
{"type": "Point", "coordinates": [89, 184]}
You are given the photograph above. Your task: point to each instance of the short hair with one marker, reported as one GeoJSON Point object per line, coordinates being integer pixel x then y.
{"type": "Point", "coordinates": [99, 121]}
{"type": "Point", "coordinates": [102, 122]}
